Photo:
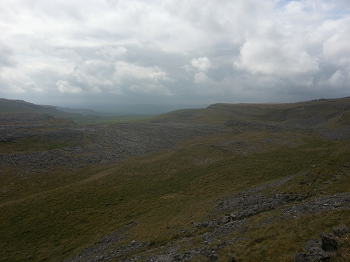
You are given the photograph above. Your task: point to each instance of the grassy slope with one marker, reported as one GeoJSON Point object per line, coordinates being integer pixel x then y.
{"type": "Point", "coordinates": [160, 191]}
{"type": "Point", "coordinates": [166, 191]}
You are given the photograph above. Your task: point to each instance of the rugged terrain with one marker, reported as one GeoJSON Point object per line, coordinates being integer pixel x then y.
{"type": "Point", "coordinates": [244, 182]}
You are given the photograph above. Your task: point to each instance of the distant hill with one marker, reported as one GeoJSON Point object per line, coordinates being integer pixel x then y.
{"type": "Point", "coordinates": [337, 111]}
{"type": "Point", "coordinates": [26, 112]}
{"type": "Point", "coordinates": [141, 109]}
{"type": "Point", "coordinates": [22, 112]}
{"type": "Point", "coordinates": [334, 112]}
{"type": "Point", "coordinates": [8, 106]}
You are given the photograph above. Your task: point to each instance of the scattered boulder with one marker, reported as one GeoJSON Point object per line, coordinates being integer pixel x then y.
{"type": "Point", "coordinates": [313, 255]}
{"type": "Point", "coordinates": [232, 259]}
{"type": "Point", "coordinates": [300, 257]}
{"type": "Point", "coordinates": [312, 243]}
{"type": "Point", "coordinates": [341, 230]}
{"type": "Point", "coordinates": [213, 256]}
{"type": "Point", "coordinates": [329, 243]}
{"type": "Point", "coordinates": [322, 249]}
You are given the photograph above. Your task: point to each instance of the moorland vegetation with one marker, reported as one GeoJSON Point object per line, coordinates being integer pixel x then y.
{"type": "Point", "coordinates": [230, 182]}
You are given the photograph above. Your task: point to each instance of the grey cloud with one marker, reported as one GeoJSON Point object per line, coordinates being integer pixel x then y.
{"type": "Point", "coordinates": [69, 54]}
{"type": "Point", "coordinates": [175, 51]}
{"type": "Point", "coordinates": [6, 56]}
{"type": "Point", "coordinates": [112, 53]}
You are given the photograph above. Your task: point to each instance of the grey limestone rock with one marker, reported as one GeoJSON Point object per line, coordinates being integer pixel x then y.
{"type": "Point", "coordinates": [341, 230]}
{"type": "Point", "coordinates": [313, 255]}
{"type": "Point", "coordinates": [318, 254]}
{"type": "Point", "coordinates": [321, 249]}
{"type": "Point", "coordinates": [311, 243]}
{"type": "Point", "coordinates": [329, 243]}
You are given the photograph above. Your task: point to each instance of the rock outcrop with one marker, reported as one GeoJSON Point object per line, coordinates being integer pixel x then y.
{"type": "Point", "coordinates": [321, 249]}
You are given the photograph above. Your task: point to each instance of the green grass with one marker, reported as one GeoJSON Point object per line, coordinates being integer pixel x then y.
{"type": "Point", "coordinates": [32, 144]}
{"type": "Point", "coordinates": [343, 254]}
{"type": "Point", "coordinates": [281, 240]}
{"type": "Point", "coordinates": [164, 191]}
{"type": "Point", "coordinates": [97, 120]}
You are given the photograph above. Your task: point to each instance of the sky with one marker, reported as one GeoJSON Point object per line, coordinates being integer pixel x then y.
{"type": "Point", "coordinates": [81, 53]}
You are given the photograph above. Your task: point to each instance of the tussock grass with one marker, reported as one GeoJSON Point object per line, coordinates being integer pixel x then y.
{"type": "Point", "coordinates": [282, 239]}
{"type": "Point", "coordinates": [343, 253]}
{"type": "Point", "coordinates": [32, 144]}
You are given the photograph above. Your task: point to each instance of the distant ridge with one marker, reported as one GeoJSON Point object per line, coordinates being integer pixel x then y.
{"type": "Point", "coordinates": [20, 107]}
{"type": "Point", "coordinates": [84, 112]}
{"type": "Point", "coordinates": [337, 110]}
{"type": "Point", "coordinates": [8, 106]}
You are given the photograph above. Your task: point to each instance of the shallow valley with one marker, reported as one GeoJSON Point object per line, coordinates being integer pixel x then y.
{"type": "Point", "coordinates": [225, 183]}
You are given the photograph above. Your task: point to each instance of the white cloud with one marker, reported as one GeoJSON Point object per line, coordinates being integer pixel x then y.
{"type": "Point", "coordinates": [200, 77]}
{"type": "Point", "coordinates": [201, 64]}
{"type": "Point", "coordinates": [124, 69]}
{"type": "Point", "coordinates": [65, 87]}
{"type": "Point", "coordinates": [337, 48]}
{"type": "Point", "coordinates": [337, 79]}
{"type": "Point", "coordinates": [275, 57]}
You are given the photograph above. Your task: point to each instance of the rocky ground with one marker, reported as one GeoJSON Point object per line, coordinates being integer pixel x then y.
{"type": "Point", "coordinates": [100, 144]}
{"type": "Point", "coordinates": [240, 207]}
{"type": "Point", "coordinates": [104, 144]}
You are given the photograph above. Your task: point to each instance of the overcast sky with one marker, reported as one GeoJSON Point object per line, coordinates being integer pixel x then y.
{"type": "Point", "coordinates": [86, 52]}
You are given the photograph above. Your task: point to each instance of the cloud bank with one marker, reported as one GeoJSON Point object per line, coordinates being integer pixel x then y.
{"type": "Point", "coordinates": [177, 52]}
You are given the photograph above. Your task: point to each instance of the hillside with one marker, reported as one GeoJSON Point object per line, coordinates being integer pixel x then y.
{"type": "Point", "coordinates": [230, 182]}
{"type": "Point", "coordinates": [11, 110]}
{"type": "Point", "coordinates": [322, 109]}
{"type": "Point", "coordinates": [8, 106]}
